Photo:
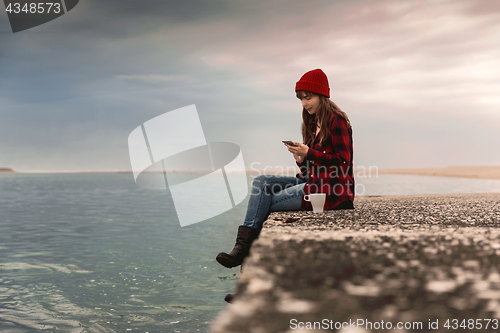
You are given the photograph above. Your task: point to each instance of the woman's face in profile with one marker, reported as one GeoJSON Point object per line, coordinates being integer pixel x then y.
{"type": "Point", "coordinates": [310, 102]}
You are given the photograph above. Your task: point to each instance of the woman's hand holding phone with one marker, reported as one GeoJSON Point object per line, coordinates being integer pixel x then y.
{"type": "Point", "coordinates": [299, 150]}
{"type": "Point", "coordinates": [288, 142]}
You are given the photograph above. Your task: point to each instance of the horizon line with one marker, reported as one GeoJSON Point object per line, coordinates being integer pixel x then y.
{"type": "Point", "coordinates": [5, 170]}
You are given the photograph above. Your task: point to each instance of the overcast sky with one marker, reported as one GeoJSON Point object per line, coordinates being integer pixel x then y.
{"type": "Point", "coordinates": [420, 80]}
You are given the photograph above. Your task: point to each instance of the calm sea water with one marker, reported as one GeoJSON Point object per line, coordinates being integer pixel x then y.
{"type": "Point", "coordinates": [95, 253]}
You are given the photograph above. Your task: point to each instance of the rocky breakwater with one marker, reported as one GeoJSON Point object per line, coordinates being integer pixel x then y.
{"type": "Point", "coordinates": [416, 263]}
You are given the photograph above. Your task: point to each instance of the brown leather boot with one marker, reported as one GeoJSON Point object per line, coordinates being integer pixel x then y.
{"type": "Point", "coordinates": [229, 298]}
{"type": "Point", "coordinates": [246, 235]}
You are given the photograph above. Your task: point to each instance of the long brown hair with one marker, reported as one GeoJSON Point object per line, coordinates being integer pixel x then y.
{"type": "Point", "coordinates": [327, 108]}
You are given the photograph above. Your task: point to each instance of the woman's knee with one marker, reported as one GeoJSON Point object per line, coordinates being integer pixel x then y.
{"type": "Point", "coordinates": [260, 178]}
{"type": "Point", "coordinates": [270, 183]}
{"type": "Point", "coordinates": [258, 184]}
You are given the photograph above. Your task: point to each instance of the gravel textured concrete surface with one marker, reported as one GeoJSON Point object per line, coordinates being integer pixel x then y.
{"type": "Point", "coordinates": [430, 263]}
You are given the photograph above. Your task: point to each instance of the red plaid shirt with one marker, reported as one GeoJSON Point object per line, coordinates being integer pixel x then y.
{"type": "Point", "coordinates": [329, 167]}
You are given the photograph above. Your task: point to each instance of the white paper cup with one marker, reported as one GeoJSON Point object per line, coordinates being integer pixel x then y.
{"type": "Point", "coordinates": [317, 201]}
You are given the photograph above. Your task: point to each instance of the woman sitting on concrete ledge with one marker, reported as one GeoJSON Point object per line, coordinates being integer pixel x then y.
{"type": "Point", "coordinates": [324, 158]}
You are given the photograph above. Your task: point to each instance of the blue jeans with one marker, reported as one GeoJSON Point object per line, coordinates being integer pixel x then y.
{"type": "Point", "coordinates": [270, 194]}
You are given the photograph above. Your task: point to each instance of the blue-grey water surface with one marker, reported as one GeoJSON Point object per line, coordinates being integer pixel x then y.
{"type": "Point", "coordinates": [96, 253]}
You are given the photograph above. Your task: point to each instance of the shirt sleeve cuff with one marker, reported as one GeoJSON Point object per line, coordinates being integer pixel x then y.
{"type": "Point", "coordinates": [314, 155]}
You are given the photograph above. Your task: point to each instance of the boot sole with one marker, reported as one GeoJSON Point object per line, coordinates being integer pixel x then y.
{"type": "Point", "coordinates": [229, 298]}
{"type": "Point", "coordinates": [226, 261]}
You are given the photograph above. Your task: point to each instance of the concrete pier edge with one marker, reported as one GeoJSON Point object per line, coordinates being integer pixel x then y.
{"type": "Point", "coordinates": [394, 259]}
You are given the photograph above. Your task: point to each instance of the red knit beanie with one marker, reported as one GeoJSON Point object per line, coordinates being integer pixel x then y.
{"type": "Point", "coordinates": [314, 81]}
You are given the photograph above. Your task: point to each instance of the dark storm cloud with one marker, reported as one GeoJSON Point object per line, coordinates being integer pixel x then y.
{"type": "Point", "coordinates": [119, 19]}
{"type": "Point", "coordinates": [79, 54]}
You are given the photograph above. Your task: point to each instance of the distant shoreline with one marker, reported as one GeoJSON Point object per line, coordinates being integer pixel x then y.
{"type": "Point", "coordinates": [477, 172]}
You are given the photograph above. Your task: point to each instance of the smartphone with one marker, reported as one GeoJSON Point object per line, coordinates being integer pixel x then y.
{"type": "Point", "coordinates": [288, 142]}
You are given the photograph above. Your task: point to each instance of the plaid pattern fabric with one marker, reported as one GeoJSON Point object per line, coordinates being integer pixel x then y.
{"type": "Point", "coordinates": [329, 167]}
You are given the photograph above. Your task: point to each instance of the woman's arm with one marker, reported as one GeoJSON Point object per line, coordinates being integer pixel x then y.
{"type": "Point", "coordinates": [299, 151]}
{"type": "Point", "coordinates": [300, 160]}
{"type": "Point", "coordinates": [339, 153]}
